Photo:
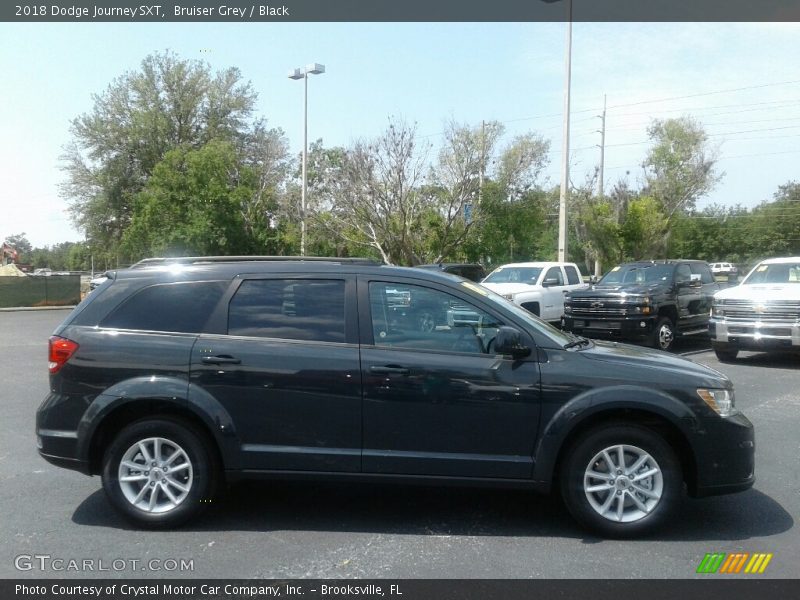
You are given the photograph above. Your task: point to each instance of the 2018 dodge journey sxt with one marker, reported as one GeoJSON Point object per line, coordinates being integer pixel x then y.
{"type": "Point", "coordinates": [178, 375]}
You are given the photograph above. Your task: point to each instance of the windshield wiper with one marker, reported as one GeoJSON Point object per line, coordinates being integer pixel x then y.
{"type": "Point", "coordinates": [578, 341]}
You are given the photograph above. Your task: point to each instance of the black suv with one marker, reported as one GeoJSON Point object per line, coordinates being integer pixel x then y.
{"type": "Point", "coordinates": [650, 301]}
{"type": "Point", "coordinates": [471, 271]}
{"type": "Point", "coordinates": [171, 379]}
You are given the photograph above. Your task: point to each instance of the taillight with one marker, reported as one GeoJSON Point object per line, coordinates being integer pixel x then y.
{"type": "Point", "coordinates": [61, 349]}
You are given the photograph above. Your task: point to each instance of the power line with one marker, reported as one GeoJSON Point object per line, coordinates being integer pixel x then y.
{"type": "Point", "coordinates": [725, 91]}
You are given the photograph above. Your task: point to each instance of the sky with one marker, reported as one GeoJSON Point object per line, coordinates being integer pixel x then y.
{"type": "Point", "coordinates": [740, 80]}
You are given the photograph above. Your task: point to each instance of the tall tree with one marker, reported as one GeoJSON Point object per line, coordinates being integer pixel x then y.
{"type": "Point", "coordinates": [374, 195]}
{"type": "Point", "coordinates": [169, 102]}
{"type": "Point", "coordinates": [680, 165]}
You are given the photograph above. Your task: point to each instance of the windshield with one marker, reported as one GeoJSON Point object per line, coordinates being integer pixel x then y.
{"type": "Point", "coordinates": [527, 275]}
{"type": "Point", "coordinates": [559, 337]}
{"type": "Point", "coordinates": [638, 274]}
{"type": "Point", "coordinates": [776, 273]}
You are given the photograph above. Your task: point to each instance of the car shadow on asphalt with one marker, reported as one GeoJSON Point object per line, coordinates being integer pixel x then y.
{"type": "Point", "coordinates": [415, 510]}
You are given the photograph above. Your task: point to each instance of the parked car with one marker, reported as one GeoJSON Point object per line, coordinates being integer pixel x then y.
{"type": "Point", "coordinates": [472, 271]}
{"type": "Point", "coordinates": [170, 379]}
{"type": "Point", "coordinates": [762, 313]}
{"type": "Point", "coordinates": [538, 287]}
{"type": "Point", "coordinates": [649, 301]}
{"type": "Point", "coordinates": [723, 268]}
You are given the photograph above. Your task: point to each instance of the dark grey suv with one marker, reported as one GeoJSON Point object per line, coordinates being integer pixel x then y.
{"type": "Point", "coordinates": [177, 376]}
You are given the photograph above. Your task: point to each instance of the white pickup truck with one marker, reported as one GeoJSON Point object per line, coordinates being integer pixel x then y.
{"type": "Point", "coordinates": [538, 287]}
{"type": "Point", "coordinates": [762, 313]}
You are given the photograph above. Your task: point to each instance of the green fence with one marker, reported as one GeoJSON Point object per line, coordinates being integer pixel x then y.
{"type": "Point", "coordinates": [54, 290]}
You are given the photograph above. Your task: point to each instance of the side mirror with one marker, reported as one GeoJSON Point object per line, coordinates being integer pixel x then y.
{"type": "Point", "coordinates": [593, 279]}
{"type": "Point", "coordinates": [550, 282]}
{"type": "Point", "coordinates": [509, 342]}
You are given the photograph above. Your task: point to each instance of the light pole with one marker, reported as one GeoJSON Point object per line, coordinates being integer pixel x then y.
{"type": "Point", "coordinates": [564, 196]}
{"type": "Point", "coordinates": [310, 69]}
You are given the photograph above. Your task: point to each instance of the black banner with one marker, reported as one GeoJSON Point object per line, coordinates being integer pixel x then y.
{"type": "Point", "coordinates": [401, 10]}
{"type": "Point", "coordinates": [410, 589]}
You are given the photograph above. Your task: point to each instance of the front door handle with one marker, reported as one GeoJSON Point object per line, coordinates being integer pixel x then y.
{"type": "Point", "coordinates": [390, 369]}
{"type": "Point", "coordinates": [221, 360]}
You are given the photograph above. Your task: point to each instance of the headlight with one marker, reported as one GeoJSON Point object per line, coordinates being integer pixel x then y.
{"type": "Point", "coordinates": [720, 401]}
{"type": "Point", "coordinates": [567, 308]}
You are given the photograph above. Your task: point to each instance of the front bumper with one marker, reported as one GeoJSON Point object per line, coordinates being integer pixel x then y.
{"type": "Point", "coordinates": [626, 328]}
{"type": "Point", "coordinates": [754, 333]}
{"type": "Point", "coordinates": [725, 451]}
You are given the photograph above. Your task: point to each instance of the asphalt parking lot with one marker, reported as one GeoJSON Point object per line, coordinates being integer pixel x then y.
{"type": "Point", "coordinates": [289, 530]}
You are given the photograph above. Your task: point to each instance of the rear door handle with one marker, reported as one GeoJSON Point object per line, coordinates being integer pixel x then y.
{"type": "Point", "coordinates": [221, 360]}
{"type": "Point", "coordinates": [390, 369]}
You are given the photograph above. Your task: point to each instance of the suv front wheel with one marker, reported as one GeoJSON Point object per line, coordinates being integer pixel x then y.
{"type": "Point", "coordinates": [160, 472]}
{"type": "Point", "coordinates": [621, 480]}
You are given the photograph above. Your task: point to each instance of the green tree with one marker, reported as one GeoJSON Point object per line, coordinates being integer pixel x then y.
{"type": "Point", "coordinates": [193, 204]}
{"type": "Point", "coordinates": [680, 166]}
{"type": "Point", "coordinates": [644, 229]}
{"type": "Point", "coordinates": [169, 102]}
{"type": "Point", "coordinates": [20, 243]}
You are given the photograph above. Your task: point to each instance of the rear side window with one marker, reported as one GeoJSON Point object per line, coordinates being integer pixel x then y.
{"type": "Point", "coordinates": [176, 307]}
{"type": "Point", "coordinates": [289, 309]}
{"type": "Point", "coordinates": [572, 275]}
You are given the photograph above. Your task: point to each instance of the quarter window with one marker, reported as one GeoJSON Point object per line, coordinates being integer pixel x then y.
{"type": "Point", "coordinates": [176, 307]}
{"type": "Point", "coordinates": [290, 309]}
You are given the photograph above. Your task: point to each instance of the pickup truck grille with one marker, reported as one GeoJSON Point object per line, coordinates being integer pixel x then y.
{"type": "Point", "coordinates": [592, 306]}
{"type": "Point", "coordinates": [774, 310]}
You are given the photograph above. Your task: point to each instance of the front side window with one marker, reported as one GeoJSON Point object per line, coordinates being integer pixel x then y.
{"type": "Point", "coordinates": [683, 274]}
{"type": "Point", "coordinates": [289, 309]}
{"type": "Point", "coordinates": [411, 316]}
{"type": "Point", "coordinates": [554, 275]}
{"type": "Point", "coordinates": [704, 272]}
{"type": "Point", "coordinates": [175, 307]}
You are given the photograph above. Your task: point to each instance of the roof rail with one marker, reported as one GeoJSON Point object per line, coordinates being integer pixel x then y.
{"type": "Point", "coordinates": [193, 260]}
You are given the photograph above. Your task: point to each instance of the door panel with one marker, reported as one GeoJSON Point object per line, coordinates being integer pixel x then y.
{"type": "Point", "coordinates": [295, 401]}
{"type": "Point", "coordinates": [436, 402]}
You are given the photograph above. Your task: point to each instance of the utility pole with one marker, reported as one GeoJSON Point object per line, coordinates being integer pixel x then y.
{"type": "Point", "coordinates": [600, 186]}
{"type": "Point", "coordinates": [483, 161]}
{"type": "Point", "coordinates": [564, 196]}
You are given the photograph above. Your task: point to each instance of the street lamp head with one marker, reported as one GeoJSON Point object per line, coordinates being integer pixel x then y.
{"type": "Point", "coordinates": [296, 74]}
{"type": "Point", "coordinates": [315, 68]}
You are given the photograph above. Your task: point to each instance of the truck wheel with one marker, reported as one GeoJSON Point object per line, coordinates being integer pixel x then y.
{"type": "Point", "coordinates": [725, 353]}
{"type": "Point", "coordinates": [621, 480]}
{"type": "Point", "coordinates": [663, 335]}
{"type": "Point", "coordinates": [160, 472]}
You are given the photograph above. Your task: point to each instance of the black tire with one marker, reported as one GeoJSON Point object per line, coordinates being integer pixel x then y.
{"type": "Point", "coordinates": [663, 335]}
{"type": "Point", "coordinates": [204, 472]}
{"type": "Point", "coordinates": [725, 352]}
{"type": "Point", "coordinates": [583, 454]}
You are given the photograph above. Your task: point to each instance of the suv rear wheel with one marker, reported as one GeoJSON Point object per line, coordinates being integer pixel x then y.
{"type": "Point", "coordinates": [160, 472]}
{"type": "Point", "coordinates": [621, 480]}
